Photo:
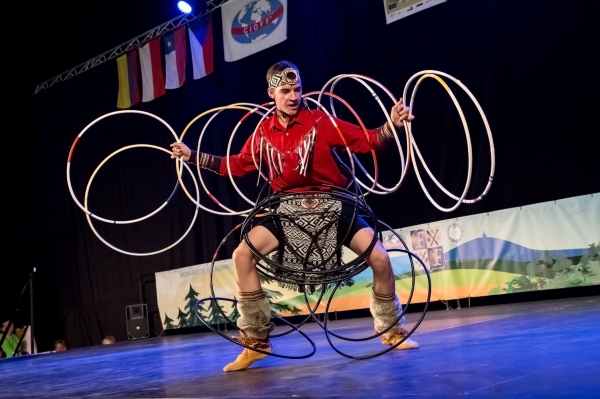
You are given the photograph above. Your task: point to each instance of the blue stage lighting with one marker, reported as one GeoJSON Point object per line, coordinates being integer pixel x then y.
{"type": "Point", "coordinates": [184, 7]}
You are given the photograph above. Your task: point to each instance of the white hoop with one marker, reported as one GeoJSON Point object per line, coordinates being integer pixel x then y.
{"type": "Point", "coordinates": [433, 74]}
{"type": "Point", "coordinates": [88, 214]}
{"type": "Point", "coordinates": [243, 106]}
{"type": "Point", "coordinates": [82, 207]}
{"type": "Point", "coordinates": [361, 79]}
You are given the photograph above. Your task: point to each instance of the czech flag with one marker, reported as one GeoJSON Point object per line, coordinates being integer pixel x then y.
{"type": "Point", "coordinates": [175, 58]}
{"type": "Point", "coordinates": [127, 69]}
{"type": "Point", "coordinates": [153, 82]}
{"type": "Point", "coordinates": [201, 44]}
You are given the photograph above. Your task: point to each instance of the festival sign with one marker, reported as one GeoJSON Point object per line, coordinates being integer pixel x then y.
{"type": "Point", "coordinates": [532, 248]}
{"type": "Point", "coordinates": [398, 9]}
{"type": "Point", "coordinates": [250, 26]}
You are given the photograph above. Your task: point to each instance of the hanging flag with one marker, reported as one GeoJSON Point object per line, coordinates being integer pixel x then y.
{"type": "Point", "coordinates": [127, 70]}
{"type": "Point", "coordinates": [250, 26]}
{"type": "Point", "coordinates": [175, 58]}
{"type": "Point", "coordinates": [153, 83]}
{"type": "Point", "coordinates": [201, 45]}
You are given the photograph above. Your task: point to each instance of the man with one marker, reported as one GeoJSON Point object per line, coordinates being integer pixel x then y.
{"type": "Point", "coordinates": [9, 346]}
{"type": "Point", "coordinates": [296, 145]}
{"type": "Point", "coordinates": [108, 340]}
{"type": "Point", "coordinates": [60, 345]}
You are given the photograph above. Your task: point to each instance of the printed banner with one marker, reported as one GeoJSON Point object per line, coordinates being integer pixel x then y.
{"type": "Point", "coordinates": [543, 246]}
{"type": "Point", "coordinates": [250, 26]}
{"type": "Point", "coordinates": [398, 9]}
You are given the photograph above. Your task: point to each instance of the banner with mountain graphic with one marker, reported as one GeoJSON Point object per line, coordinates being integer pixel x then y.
{"type": "Point", "coordinates": [543, 246]}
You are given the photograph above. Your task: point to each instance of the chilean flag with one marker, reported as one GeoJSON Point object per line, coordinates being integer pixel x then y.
{"type": "Point", "coordinates": [175, 58]}
{"type": "Point", "coordinates": [153, 83]}
{"type": "Point", "coordinates": [201, 44]}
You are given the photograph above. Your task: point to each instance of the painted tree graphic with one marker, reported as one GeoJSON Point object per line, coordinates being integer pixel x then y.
{"type": "Point", "coordinates": [272, 295]}
{"type": "Point", "coordinates": [182, 317]}
{"type": "Point", "coordinates": [192, 317]}
{"type": "Point", "coordinates": [214, 313]}
{"type": "Point", "coordinates": [235, 314]}
{"type": "Point", "coordinates": [168, 323]}
{"type": "Point", "coordinates": [552, 273]}
{"type": "Point", "coordinates": [295, 311]}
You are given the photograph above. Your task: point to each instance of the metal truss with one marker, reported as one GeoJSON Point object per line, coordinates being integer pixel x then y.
{"type": "Point", "coordinates": [138, 41]}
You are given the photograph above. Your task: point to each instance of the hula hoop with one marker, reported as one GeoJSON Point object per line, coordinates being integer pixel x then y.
{"type": "Point", "coordinates": [351, 155]}
{"type": "Point", "coordinates": [179, 161]}
{"type": "Point", "coordinates": [404, 163]}
{"type": "Point", "coordinates": [433, 74]}
{"type": "Point", "coordinates": [267, 114]}
{"type": "Point", "coordinates": [88, 214]}
{"type": "Point", "coordinates": [71, 151]}
{"type": "Point", "coordinates": [226, 317]}
{"type": "Point", "coordinates": [260, 174]}
{"type": "Point", "coordinates": [274, 354]}
{"type": "Point", "coordinates": [326, 317]}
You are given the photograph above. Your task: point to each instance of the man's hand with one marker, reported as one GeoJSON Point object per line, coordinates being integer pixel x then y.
{"type": "Point", "coordinates": [180, 150]}
{"type": "Point", "coordinates": [400, 114]}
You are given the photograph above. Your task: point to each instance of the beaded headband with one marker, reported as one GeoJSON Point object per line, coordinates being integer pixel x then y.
{"type": "Point", "coordinates": [287, 76]}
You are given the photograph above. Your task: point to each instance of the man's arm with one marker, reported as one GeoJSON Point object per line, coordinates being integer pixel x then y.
{"type": "Point", "coordinates": [240, 164]}
{"type": "Point", "coordinates": [399, 114]}
{"type": "Point", "coordinates": [359, 142]}
{"type": "Point", "coordinates": [205, 161]}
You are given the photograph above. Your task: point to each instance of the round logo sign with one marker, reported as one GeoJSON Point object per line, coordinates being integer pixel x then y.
{"type": "Point", "coordinates": [256, 20]}
{"type": "Point", "coordinates": [455, 232]}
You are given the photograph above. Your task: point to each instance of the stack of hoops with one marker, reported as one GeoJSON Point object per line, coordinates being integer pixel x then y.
{"type": "Point", "coordinates": [328, 282]}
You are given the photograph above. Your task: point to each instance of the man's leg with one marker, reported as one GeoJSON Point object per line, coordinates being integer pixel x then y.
{"type": "Point", "coordinates": [384, 304]}
{"type": "Point", "coordinates": [253, 306]}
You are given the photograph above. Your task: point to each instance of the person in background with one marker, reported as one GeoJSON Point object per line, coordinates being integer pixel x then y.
{"type": "Point", "coordinates": [9, 346]}
{"type": "Point", "coordinates": [60, 345]}
{"type": "Point", "coordinates": [109, 339]}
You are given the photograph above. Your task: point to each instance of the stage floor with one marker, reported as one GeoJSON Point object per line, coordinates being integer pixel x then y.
{"type": "Point", "coordinates": [526, 350]}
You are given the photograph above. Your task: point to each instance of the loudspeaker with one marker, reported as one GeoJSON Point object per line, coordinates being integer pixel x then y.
{"type": "Point", "coordinates": [137, 321]}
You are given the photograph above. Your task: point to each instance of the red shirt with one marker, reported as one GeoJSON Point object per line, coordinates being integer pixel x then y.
{"type": "Point", "coordinates": [322, 166]}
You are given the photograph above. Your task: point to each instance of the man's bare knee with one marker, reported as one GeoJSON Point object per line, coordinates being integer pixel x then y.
{"type": "Point", "coordinates": [379, 261]}
{"type": "Point", "coordinates": [243, 258]}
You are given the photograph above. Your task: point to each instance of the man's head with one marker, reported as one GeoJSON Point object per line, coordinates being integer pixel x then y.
{"type": "Point", "coordinates": [285, 87]}
{"type": "Point", "coordinates": [60, 345]}
{"type": "Point", "coordinates": [5, 326]}
{"type": "Point", "coordinates": [109, 339]}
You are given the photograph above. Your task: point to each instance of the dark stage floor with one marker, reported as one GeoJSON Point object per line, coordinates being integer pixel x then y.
{"type": "Point", "coordinates": [527, 350]}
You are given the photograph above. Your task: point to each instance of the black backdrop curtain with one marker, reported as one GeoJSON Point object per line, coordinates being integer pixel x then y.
{"type": "Point", "coordinates": [530, 66]}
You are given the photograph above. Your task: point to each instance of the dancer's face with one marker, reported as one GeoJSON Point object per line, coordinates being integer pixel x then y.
{"type": "Point", "coordinates": [287, 98]}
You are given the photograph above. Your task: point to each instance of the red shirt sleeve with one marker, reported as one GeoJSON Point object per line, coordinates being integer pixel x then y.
{"type": "Point", "coordinates": [242, 163]}
{"type": "Point", "coordinates": [354, 136]}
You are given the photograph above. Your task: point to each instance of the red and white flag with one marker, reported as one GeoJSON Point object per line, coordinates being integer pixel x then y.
{"type": "Point", "coordinates": [250, 26]}
{"type": "Point", "coordinates": [153, 82]}
{"type": "Point", "coordinates": [175, 58]}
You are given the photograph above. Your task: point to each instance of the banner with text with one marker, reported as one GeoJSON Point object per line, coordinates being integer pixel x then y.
{"type": "Point", "coordinates": [398, 9]}
{"type": "Point", "coordinates": [250, 26]}
{"type": "Point", "coordinates": [537, 247]}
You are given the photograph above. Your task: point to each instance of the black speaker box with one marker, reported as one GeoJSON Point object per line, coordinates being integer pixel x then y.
{"type": "Point", "coordinates": [137, 321]}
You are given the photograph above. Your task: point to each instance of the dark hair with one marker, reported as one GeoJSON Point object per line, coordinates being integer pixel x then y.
{"type": "Point", "coordinates": [279, 67]}
{"type": "Point", "coordinates": [60, 342]}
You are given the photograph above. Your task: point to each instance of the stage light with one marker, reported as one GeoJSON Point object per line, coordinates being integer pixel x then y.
{"type": "Point", "coordinates": [184, 7]}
